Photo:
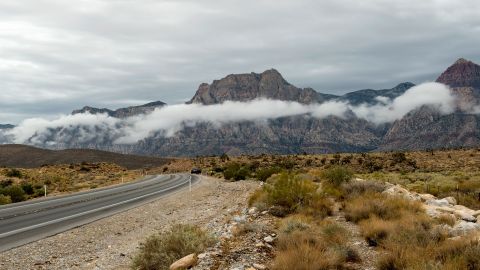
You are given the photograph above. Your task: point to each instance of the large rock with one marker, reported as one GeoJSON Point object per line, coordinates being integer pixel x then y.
{"type": "Point", "coordinates": [439, 202]}
{"type": "Point", "coordinates": [185, 262]}
{"type": "Point", "coordinates": [397, 190]}
{"type": "Point", "coordinates": [463, 227]}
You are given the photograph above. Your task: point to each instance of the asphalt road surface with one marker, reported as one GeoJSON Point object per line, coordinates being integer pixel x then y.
{"type": "Point", "coordinates": [25, 222]}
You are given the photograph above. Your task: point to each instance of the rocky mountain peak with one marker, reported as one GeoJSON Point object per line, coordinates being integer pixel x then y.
{"type": "Point", "coordinates": [245, 87]}
{"type": "Point", "coordinates": [463, 73]}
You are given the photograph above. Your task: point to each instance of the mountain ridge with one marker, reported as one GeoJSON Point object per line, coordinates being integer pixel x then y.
{"type": "Point", "coordinates": [419, 129]}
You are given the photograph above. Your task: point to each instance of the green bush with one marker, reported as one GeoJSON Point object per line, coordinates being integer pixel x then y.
{"type": "Point", "coordinates": [6, 183]}
{"type": "Point", "coordinates": [337, 175]}
{"type": "Point", "coordinates": [5, 199]}
{"type": "Point", "coordinates": [235, 171]}
{"type": "Point", "coordinates": [264, 173]}
{"type": "Point", "coordinates": [16, 193]}
{"type": "Point", "coordinates": [159, 251]}
{"type": "Point", "coordinates": [290, 191]}
{"type": "Point", "coordinates": [14, 173]}
{"type": "Point", "coordinates": [28, 188]}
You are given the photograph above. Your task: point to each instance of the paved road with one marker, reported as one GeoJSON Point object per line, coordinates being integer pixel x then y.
{"type": "Point", "coordinates": [26, 222]}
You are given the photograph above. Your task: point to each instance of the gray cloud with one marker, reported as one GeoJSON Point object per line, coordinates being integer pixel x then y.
{"type": "Point", "coordinates": [56, 56]}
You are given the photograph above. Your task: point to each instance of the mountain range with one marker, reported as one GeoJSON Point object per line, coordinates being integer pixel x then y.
{"type": "Point", "coordinates": [419, 129]}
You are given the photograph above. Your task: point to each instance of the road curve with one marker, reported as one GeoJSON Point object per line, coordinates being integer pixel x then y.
{"type": "Point", "coordinates": [22, 223]}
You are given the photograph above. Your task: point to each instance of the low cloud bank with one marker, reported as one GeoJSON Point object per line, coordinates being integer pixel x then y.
{"type": "Point", "coordinates": [170, 119]}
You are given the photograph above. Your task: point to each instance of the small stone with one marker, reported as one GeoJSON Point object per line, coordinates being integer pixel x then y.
{"type": "Point", "coordinates": [259, 245]}
{"type": "Point", "coordinates": [202, 255]}
{"type": "Point", "coordinates": [268, 239]}
{"type": "Point", "coordinates": [252, 210]}
{"type": "Point", "coordinates": [451, 200]}
{"type": "Point", "coordinates": [265, 212]}
{"type": "Point", "coordinates": [259, 266]}
{"type": "Point", "coordinates": [240, 219]}
{"type": "Point", "coordinates": [185, 262]}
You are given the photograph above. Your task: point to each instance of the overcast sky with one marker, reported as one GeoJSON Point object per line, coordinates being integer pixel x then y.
{"type": "Point", "coordinates": [58, 55]}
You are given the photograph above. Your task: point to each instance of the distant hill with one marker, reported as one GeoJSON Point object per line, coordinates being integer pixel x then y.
{"type": "Point", "coordinates": [22, 156]}
{"type": "Point", "coordinates": [6, 126]}
{"type": "Point", "coordinates": [123, 112]}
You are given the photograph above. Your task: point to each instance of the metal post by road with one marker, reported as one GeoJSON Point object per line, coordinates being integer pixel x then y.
{"type": "Point", "coordinates": [45, 189]}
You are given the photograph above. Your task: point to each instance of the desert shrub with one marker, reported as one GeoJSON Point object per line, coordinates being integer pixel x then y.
{"type": "Point", "coordinates": [290, 191]}
{"type": "Point", "coordinates": [6, 183]}
{"type": "Point", "coordinates": [398, 157]}
{"type": "Point", "coordinates": [294, 223]}
{"type": "Point", "coordinates": [379, 205]}
{"type": "Point", "coordinates": [376, 230]}
{"type": "Point", "coordinates": [247, 227]}
{"type": "Point", "coordinates": [287, 163]}
{"type": "Point", "coordinates": [314, 248]}
{"type": "Point", "coordinates": [224, 157]}
{"type": "Point", "coordinates": [264, 173]}
{"type": "Point", "coordinates": [462, 253]}
{"type": "Point", "coordinates": [318, 206]}
{"type": "Point", "coordinates": [5, 199]}
{"type": "Point", "coordinates": [27, 188]}
{"type": "Point", "coordinates": [337, 175]}
{"type": "Point", "coordinates": [258, 199]}
{"type": "Point", "coordinates": [447, 219]}
{"type": "Point", "coordinates": [14, 173]}
{"type": "Point", "coordinates": [15, 193]}
{"type": "Point", "coordinates": [235, 171]}
{"type": "Point", "coordinates": [161, 250]}
{"type": "Point", "coordinates": [354, 189]}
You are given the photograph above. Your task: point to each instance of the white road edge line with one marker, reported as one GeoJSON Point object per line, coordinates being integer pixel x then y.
{"type": "Point", "coordinates": [85, 213]}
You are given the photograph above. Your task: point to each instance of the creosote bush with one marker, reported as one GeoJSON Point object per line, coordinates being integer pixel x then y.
{"type": "Point", "coordinates": [159, 251]}
{"type": "Point", "coordinates": [290, 191]}
{"type": "Point", "coordinates": [5, 199]}
{"type": "Point", "coordinates": [235, 171]}
{"type": "Point", "coordinates": [337, 175]}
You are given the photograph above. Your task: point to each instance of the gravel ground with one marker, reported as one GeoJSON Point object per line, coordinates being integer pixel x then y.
{"type": "Point", "coordinates": [110, 243]}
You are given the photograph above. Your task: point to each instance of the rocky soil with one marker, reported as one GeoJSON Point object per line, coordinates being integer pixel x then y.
{"type": "Point", "coordinates": [110, 243]}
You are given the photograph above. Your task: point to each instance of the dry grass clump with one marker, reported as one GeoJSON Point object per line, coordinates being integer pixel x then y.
{"type": "Point", "coordinates": [448, 219]}
{"type": "Point", "coordinates": [159, 251]}
{"type": "Point", "coordinates": [410, 239]}
{"type": "Point", "coordinates": [295, 223]}
{"type": "Point", "coordinates": [314, 248]}
{"type": "Point", "coordinates": [354, 189]}
{"type": "Point", "coordinates": [380, 205]}
{"type": "Point", "coordinates": [449, 255]}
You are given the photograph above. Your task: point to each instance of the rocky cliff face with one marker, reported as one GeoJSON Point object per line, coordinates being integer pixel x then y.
{"type": "Point", "coordinates": [462, 73]}
{"type": "Point", "coordinates": [245, 87]}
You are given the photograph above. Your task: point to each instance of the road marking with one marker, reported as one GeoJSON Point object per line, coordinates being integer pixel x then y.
{"type": "Point", "coordinates": [86, 212]}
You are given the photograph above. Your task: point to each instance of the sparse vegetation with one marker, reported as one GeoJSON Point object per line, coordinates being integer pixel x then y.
{"type": "Point", "coordinates": [305, 247]}
{"type": "Point", "coordinates": [160, 250]}
{"type": "Point", "coordinates": [337, 175]}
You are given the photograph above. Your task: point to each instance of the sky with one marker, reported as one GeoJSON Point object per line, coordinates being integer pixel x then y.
{"type": "Point", "coordinates": [56, 55]}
